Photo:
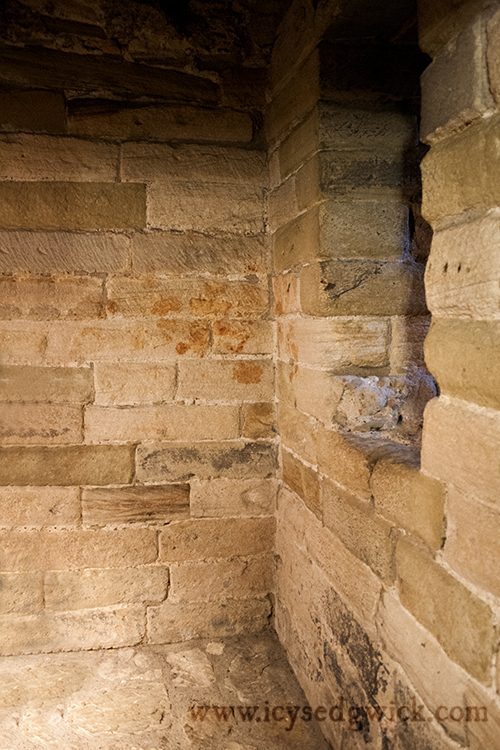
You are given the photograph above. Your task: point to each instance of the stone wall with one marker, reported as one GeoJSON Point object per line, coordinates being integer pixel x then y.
{"type": "Point", "coordinates": [384, 597]}
{"type": "Point", "coordinates": [138, 456]}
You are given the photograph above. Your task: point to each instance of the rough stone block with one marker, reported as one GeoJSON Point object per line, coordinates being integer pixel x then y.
{"type": "Point", "coordinates": [230, 380]}
{"type": "Point", "coordinates": [455, 87]}
{"type": "Point", "coordinates": [125, 341]}
{"type": "Point", "coordinates": [461, 274]}
{"type": "Point", "coordinates": [295, 100]}
{"type": "Point", "coordinates": [365, 175]}
{"type": "Point", "coordinates": [463, 357]}
{"type": "Point", "coordinates": [304, 481]}
{"type": "Point", "coordinates": [110, 424]}
{"type": "Point", "coordinates": [24, 551]}
{"type": "Point", "coordinates": [143, 162]}
{"type": "Point", "coordinates": [202, 539]}
{"type": "Point", "coordinates": [21, 593]}
{"type": "Point", "coordinates": [132, 383]}
{"type": "Point", "coordinates": [54, 384]}
{"type": "Point", "coordinates": [72, 205]}
{"type": "Point", "coordinates": [302, 142]}
{"type": "Point", "coordinates": [410, 499]}
{"type": "Point", "coordinates": [160, 123]}
{"type": "Point", "coordinates": [337, 344]}
{"type": "Point", "coordinates": [462, 172]}
{"type": "Point", "coordinates": [112, 505]}
{"type": "Point", "coordinates": [345, 460]}
{"type": "Point", "coordinates": [215, 498]}
{"type": "Point", "coordinates": [462, 623]}
{"type": "Point", "coordinates": [243, 336]}
{"type": "Point", "coordinates": [407, 342]}
{"type": "Point", "coordinates": [184, 205]}
{"type": "Point", "coordinates": [89, 589]}
{"type": "Point", "coordinates": [190, 252]}
{"type": "Point", "coordinates": [258, 421]}
{"type": "Point", "coordinates": [493, 46]}
{"type": "Point", "coordinates": [298, 432]}
{"type": "Point", "coordinates": [366, 126]}
{"type": "Point", "coordinates": [364, 533]}
{"type": "Point", "coordinates": [314, 392]}
{"type": "Point", "coordinates": [39, 506]}
{"type": "Point", "coordinates": [282, 204]}
{"type": "Point", "coordinates": [297, 242]}
{"type": "Point", "coordinates": [115, 627]}
{"type": "Point", "coordinates": [67, 465]}
{"type": "Point", "coordinates": [473, 540]}
{"type": "Point", "coordinates": [44, 157]}
{"type": "Point", "coordinates": [52, 252]}
{"type": "Point", "coordinates": [146, 297]}
{"type": "Point", "coordinates": [174, 623]}
{"type": "Point", "coordinates": [460, 445]}
{"type": "Point", "coordinates": [439, 22]}
{"type": "Point", "coordinates": [41, 111]}
{"type": "Point", "coordinates": [213, 581]}
{"type": "Point", "coordinates": [286, 290]}
{"type": "Point", "coordinates": [174, 462]}
{"type": "Point", "coordinates": [40, 424]}
{"type": "Point", "coordinates": [362, 287]}
{"type": "Point", "coordinates": [60, 297]}
{"type": "Point", "coordinates": [23, 342]}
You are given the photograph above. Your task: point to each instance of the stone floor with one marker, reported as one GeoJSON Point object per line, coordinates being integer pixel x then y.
{"type": "Point", "coordinates": [154, 698]}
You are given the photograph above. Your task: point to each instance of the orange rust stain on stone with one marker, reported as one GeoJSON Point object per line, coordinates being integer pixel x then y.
{"type": "Point", "coordinates": [165, 305]}
{"type": "Point", "coordinates": [112, 306]}
{"type": "Point", "coordinates": [240, 335]}
{"type": "Point", "coordinates": [247, 373]}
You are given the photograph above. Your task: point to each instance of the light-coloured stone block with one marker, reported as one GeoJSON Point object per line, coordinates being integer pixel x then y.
{"type": "Point", "coordinates": [200, 539]}
{"type": "Point", "coordinates": [286, 289]}
{"type": "Point", "coordinates": [54, 384]}
{"type": "Point", "coordinates": [282, 204]}
{"type": "Point", "coordinates": [212, 581]}
{"type": "Point", "coordinates": [133, 383]}
{"type": "Point", "coordinates": [114, 424]}
{"type": "Point", "coordinates": [53, 298]}
{"type": "Point", "coordinates": [243, 336]}
{"type": "Point", "coordinates": [298, 432]}
{"type": "Point", "coordinates": [39, 506]}
{"type": "Point", "coordinates": [407, 342]}
{"type": "Point", "coordinates": [314, 392]}
{"type": "Point", "coordinates": [304, 481]}
{"type": "Point", "coordinates": [236, 380]}
{"type": "Point", "coordinates": [23, 342]}
{"type": "Point", "coordinates": [40, 424]}
{"type": "Point", "coordinates": [21, 593]}
{"type": "Point", "coordinates": [258, 420]}
{"type": "Point", "coordinates": [232, 497]}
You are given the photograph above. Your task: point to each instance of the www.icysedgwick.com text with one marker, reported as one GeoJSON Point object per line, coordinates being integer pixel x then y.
{"type": "Point", "coordinates": [355, 717]}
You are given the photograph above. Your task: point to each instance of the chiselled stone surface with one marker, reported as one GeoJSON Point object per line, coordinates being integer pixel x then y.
{"type": "Point", "coordinates": [206, 538]}
{"type": "Point", "coordinates": [139, 383]}
{"type": "Point", "coordinates": [40, 424]}
{"type": "Point", "coordinates": [39, 506]}
{"type": "Point", "coordinates": [110, 505]}
{"type": "Point", "coordinates": [248, 380]}
{"type": "Point", "coordinates": [212, 581]}
{"type": "Point", "coordinates": [58, 297]}
{"type": "Point", "coordinates": [232, 336]}
{"type": "Point", "coordinates": [232, 497]}
{"type": "Point", "coordinates": [54, 384]}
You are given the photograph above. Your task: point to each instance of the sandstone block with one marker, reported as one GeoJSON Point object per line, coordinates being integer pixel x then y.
{"type": "Point", "coordinates": [282, 204]}
{"type": "Point", "coordinates": [188, 206]}
{"type": "Point", "coordinates": [410, 499]}
{"type": "Point", "coordinates": [362, 287]}
{"type": "Point", "coordinates": [72, 205]}
{"type": "Point", "coordinates": [304, 481]}
{"type": "Point", "coordinates": [21, 593]}
{"type": "Point", "coordinates": [473, 528]}
{"type": "Point", "coordinates": [460, 446]}
{"type": "Point", "coordinates": [286, 290]}
{"type": "Point", "coordinates": [25, 551]}
{"type": "Point", "coordinates": [463, 356]}
{"type": "Point", "coordinates": [114, 627]}
{"type": "Point", "coordinates": [51, 252]}
{"type": "Point", "coordinates": [407, 342]}
{"type": "Point", "coordinates": [462, 172]}
{"type": "Point", "coordinates": [298, 241]}
{"type": "Point", "coordinates": [54, 384]}
{"type": "Point", "coordinates": [44, 157]}
{"type": "Point", "coordinates": [338, 345]}
{"type": "Point", "coordinates": [302, 142]}
{"type": "Point", "coordinates": [439, 22]}
{"type": "Point", "coordinates": [133, 383]}
{"type": "Point", "coordinates": [160, 123]}
{"type": "Point", "coordinates": [67, 465]}
{"type": "Point", "coordinates": [232, 497]}
{"type": "Point", "coordinates": [116, 424]}
{"type": "Point", "coordinates": [114, 505]}
{"type": "Point", "coordinates": [23, 342]}
{"type": "Point", "coordinates": [190, 252]}
{"type": "Point", "coordinates": [314, 392]}
{"type": "Point", "coordinates": [364, 533]}
{"type": "Point", "coordinates": [243, 336]}
{"type": "Point", "coordinates": [493, 44]}
{"type": "Point", "coordinates": [205, 538]}
{"type": "Point", "coordinates": [462, 623]}
{"type": "Point", "coordinates": [455, 87]}
{"type": "Point", "coordinates": [192, 163]}
{"type": "Point", "coordinates": [62, 297]}
{"type": "Point", "coordinates": [39, 506]}
{"type": "Point", "coordinates": [461, 272]}
{"type": "Point", "coordinates": [364, 175]}
{"type": "Point", "coordinates": [298, 432]}
{"type": "Point", "coordinates": [89, 589]}
{"type": "Point", "coordinates": [367, 126]}
{"type": "Point", "coordinates": [145, 297]}
{"type": "Point", "coordinates": [295, 100]}
{"type": "Point", "coordinates": [40, 424]}
{"type": "Point", "coordinates": [42, 111]}
{"type": "Point", "coordinates": [173, 623]}
{"type": "Point", "coordinates": [216, 380]}
{"type": "Point", "coordinates": [125, 341]}
{"type": "Point", "coordinates": [345, 460]}
{"type": "Point", "coordinates": [174, 462]}
{"type": "Point", "coordinates": [258, 421]}
{"type": "Point", "coordinates": [213, 581]}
